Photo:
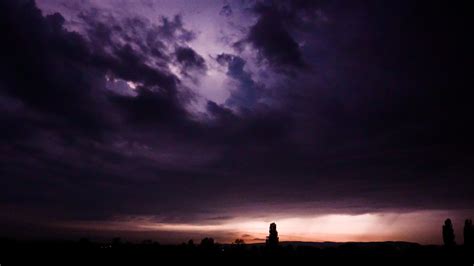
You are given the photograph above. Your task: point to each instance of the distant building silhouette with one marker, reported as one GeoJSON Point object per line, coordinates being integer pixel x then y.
{"type": "Point", "coordinates": [468, 233]}
{"type": "Point", "coordinates": [272, 238]}
{"type": "Point", "coordinates": [448, 233]}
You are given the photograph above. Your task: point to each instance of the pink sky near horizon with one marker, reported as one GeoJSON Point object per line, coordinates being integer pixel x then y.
{"type": "Point", "coordinates": [423, 227]}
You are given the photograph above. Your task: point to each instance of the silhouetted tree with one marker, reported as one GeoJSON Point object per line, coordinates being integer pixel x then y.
{"type": "Point", "coordinates": [239, 242]}
{"type": "Point", "coordinates": [116, 242]}
{"type": "Point", "coordinates": [207, 242]}
{"type": "Point", "coordinates": [238, 245]}
{"type": "Point", "coordinates": [190, 243]}
{"type": "Point", "coordinates": [468, 233]}
{"type": "Point", "coordinates": [272, 238]}
{"type": "Point", "coordinates": [147, 242]}
{"type": "Point", "coordinates": [448, 233]}
{"type": "Point", "coordinates": [84, 243]}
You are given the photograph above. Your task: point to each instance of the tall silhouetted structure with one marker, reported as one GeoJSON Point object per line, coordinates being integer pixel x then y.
{"type": "Point", "coordinates": [448, 233]}
{"type": "Point", "coordinates": [468, 233]}
{"type": "Point", "coordinates": [272, 238]}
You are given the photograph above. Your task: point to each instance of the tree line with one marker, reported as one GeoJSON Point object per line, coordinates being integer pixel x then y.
{"type": "Point", "coordinates": [449, 237]}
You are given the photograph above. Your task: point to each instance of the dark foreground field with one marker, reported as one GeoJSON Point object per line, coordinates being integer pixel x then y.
{"type": "Point", "coordinates": [151, 253]}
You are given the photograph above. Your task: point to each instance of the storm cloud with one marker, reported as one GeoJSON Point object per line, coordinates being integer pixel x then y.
{"type": "Point", "coordinates": [99, 121]}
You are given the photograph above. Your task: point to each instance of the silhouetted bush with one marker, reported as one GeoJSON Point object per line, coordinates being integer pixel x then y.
{"type": "Point", "coordinates": [448, 233]}
{"type": "Point", "coordinates": [239, 242]}
{"type": "Point", "coordinates": [468, 233]}
{"type": "Point", "coordinates": [207, 242]}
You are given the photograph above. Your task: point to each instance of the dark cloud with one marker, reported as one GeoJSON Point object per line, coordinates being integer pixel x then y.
{"type": "Point", "coordinates": [142, 58]}
{"type": "Point", "coordinates": [226, 10]}
{"type": "Point", "coordinates": [40, 60]}
{"type": "Point", "coordinates": [273, 35]}
{"type": "Point", "coordinates": [53, 84]}
{"type": "Point", "coordinates": [247, 92]}
{"type": "Point", "coordinates": [150, 107]}
{"type": "Point", "coordinates": [190, 60]}
{"type": "Point", "coordinates": [273, 41]}
{"type": "Point", "coordinates": [173, 29]}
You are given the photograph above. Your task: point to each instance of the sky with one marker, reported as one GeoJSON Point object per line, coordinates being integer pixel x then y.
{"type": "Point", "coordinates": [338, 120]}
